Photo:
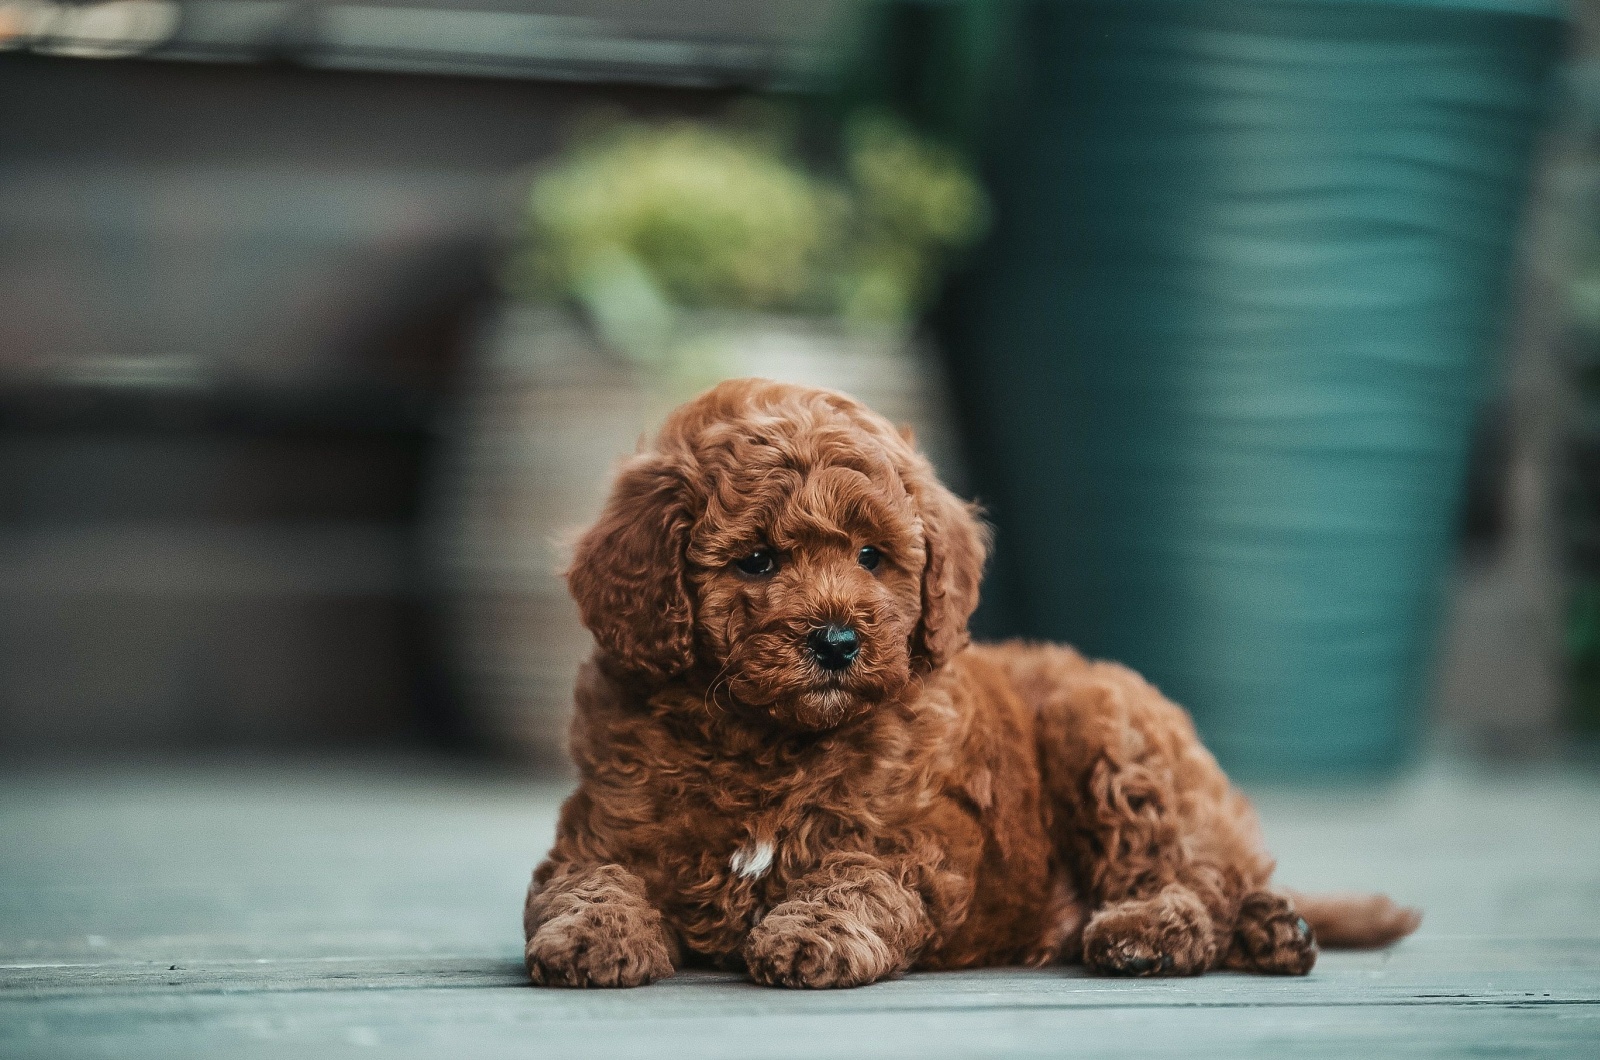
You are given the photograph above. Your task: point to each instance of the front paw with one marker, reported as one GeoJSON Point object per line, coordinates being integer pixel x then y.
{"type": "Point", "coordinates": [815, 946]}
{"type": "Point", "coordinates": [599, 947]}
{"type": "Point", "coordinates": [1170, 934]}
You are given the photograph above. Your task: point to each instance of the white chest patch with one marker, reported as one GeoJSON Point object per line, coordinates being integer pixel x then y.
{"type": "Point", "coordinates": [752, 862]}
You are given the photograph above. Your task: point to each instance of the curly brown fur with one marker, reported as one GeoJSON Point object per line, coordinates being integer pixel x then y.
{"type": "Point", "coordinates": [930, 804]}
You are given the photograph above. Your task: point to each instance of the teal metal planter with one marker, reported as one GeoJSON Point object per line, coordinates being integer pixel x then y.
{"type": "Point", "coordinates": [1221, 357]}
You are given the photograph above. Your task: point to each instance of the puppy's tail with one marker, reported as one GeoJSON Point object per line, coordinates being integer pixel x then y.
{"type": "Point", "coordinates": [1355, 921]}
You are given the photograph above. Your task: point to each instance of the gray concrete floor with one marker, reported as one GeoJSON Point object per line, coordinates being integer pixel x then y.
{"type": "Point", "coordinates": [321, 910]}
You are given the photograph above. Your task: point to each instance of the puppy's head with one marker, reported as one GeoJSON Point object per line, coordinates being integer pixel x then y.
{"type": "Point", "coordinates": [785, 546]}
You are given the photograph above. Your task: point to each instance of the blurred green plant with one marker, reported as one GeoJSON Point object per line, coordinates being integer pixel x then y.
{"type": "Point", "coordinates": [915, 203]}
{"type": "Point", "coordinates": [638, 223]}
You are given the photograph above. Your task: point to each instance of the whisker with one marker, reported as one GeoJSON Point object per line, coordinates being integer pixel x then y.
{"type": "Point", "coordinates": [709, 700]}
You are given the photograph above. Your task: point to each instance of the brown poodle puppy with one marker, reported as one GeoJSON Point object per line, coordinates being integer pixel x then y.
{"type": "Point", "coordinates": [792, 761]}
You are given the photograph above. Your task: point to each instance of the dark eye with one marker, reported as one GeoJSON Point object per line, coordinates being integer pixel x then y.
{"type": "Point", "coordinates": [869, 557]}
{"type": "Point", "coordinates": [758, 563]}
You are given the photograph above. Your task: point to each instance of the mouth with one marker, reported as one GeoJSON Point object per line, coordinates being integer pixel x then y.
{"type": "Point", "coordinates": [824, 706]}
{"type": "Point", "coordinates": [821, 702]}
{"type": "Point", "coordinates": [842, 688]}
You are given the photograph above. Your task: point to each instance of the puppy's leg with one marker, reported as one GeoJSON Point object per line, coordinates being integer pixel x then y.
{"type": "Point", "coordinates": [594, 926]}
{"type": "Point", "coordinates": [853, 921]}
{"type": "Point", "coordinates": [1163, 848]}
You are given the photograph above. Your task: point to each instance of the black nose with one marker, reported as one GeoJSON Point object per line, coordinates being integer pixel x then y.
{"type": "Point", "coordinates": [835, 647]}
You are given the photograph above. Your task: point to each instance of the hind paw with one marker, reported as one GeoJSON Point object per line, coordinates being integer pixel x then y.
{"type": "Point", "coordinates": [1271, 937]}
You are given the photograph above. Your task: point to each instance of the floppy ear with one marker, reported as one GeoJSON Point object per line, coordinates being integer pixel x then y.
{"type": "Point", "coordinates": [957, 542]}
{"type": "Point", "coordinates": [627, 572]}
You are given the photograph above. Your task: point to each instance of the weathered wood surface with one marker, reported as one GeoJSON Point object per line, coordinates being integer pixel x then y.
{"type": "Point", "coordinates": [317, 911]}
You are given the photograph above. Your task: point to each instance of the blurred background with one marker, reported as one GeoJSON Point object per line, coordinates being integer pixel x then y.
{"type": "Point", "coordinates": [1268, 333]}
